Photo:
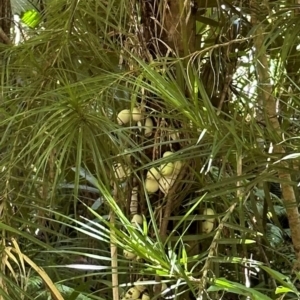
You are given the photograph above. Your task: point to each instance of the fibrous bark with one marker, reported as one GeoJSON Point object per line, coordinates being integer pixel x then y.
{"type": "Point", "coordinates": [168, 26]}
{"type": "Point", "coordinates": [5, 21]}
{"type": "Point", "coordinates": [269, 114]}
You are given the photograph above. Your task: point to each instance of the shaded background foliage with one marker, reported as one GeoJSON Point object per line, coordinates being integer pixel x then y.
{"type": "Point", "coordinates": [64, 83]}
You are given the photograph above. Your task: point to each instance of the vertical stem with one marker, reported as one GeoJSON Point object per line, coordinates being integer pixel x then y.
{"type": "Point", "coordinates": [114, 259]}
{"type": "Point", "coordinates": [114, 253]}
{"type": "Point", "coordinates": [270, 115]}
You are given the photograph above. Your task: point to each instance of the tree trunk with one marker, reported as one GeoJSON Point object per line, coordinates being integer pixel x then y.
{"type": "Point", "coordinates": [5, 21]}
{"type": "Point", "coordinates": [168, 26]}
{"type": "Point", "coordinates": [273, 125]}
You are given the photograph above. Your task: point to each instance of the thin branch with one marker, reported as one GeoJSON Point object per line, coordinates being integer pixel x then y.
{"type": "Point", "coordinates": [114, 253]}
{"type": "Point", "coordinates": [212, 250]}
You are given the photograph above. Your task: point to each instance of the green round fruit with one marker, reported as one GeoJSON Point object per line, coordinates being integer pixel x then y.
{"type": "Point", "coordinates": [165, 183]}
{"type": "Point", "coordinates": [133, 293]}
{"type": "Point", "coordinates": [167, 169]}
{"type": "Point", "coordinates": [177, 167]}
{"type": "Point", "coordinates": [121, 171]}
{"type": "Point", "coordinates": [137, 219]}
{"type": "Point", "coordinates": [145, 296]}
{"type": "Point", "coordinates": [124, 116]}
{"type": "Point", "coordinates": [136, 114]}
{"type": "Point", "coordinates": [168, 153]}
{"type": "Point", "coordinates": [129, 255]}
{"type": "Point", "coordinates": [153, 174]}
{"type": "Point", "coordinates": [151, 185]}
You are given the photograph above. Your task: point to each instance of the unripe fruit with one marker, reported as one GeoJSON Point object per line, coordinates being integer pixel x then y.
{"type": "Point", "coordinates": [177, 167]}
{"type": "Point", "coordinates": [129, 255]}
{"type": "Point", "coordinates": [209, 212]}
{"type": "Point", "coordinates": [165, 183]}
{"type": "Point", "coordinates": [136, 114]}
{"type": "Point", "coordinates": [124, 116]}
{"type": "Point", "coordinates": [148, 127]}
{"type": "Point", "coordinates": [167, 153]}
{"type": "Point", "coordinates": [153, 174]}
{"type": "Point", "coordinates": [137, 219]}
{"type": "Point", "coordinates": [167, 169]}
{"type": "Point", "coordinates": [145, 296]}
{"type": "Point", "coordinates": [208, 225]}
{"type": "Point", "coordinates": [121, 171]}
{"type": "Point", "coordinates": [151, 185]}
{"type": "Point", "coordinates": [133, 293]}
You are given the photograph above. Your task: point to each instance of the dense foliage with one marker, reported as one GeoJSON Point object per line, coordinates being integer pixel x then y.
{"type": "Point", "coordinates": [149, 149]}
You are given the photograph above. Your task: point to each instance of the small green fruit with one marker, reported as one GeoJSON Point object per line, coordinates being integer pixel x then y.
{"type": "Point", "coordinates": [151, 185]}
{"type": "Point", "coordinates": [153, 174]}
{"type": "Point", "coordinates": [124, 116]}
{"type": "Point", "coordinates": [167, 169]}
{"type": "Point", "coordinates": [133, 293]}
{"type": "Point", "coordinates": [145, 296]}
{"type": "Point", "coordinates": [165, 183]}
{"type": "Point", "coordinates": [177, 167]}
{"type": "Point", "coordinates": [137, 219]}
{"type": "Point", "coordinates": [121, 171]}
{"type": "Point", "coordinates": [208, 225]}
{"type": "Point", "coordinates": [136, 114]}
{"type": "Point", "coordinates": [209, 212]}
{"type": "Point", "coordinates": [167, 153]}
{"type": "Point", "coordinates": [129, 255]}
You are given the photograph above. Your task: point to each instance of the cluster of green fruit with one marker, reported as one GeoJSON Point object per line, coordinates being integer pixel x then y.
{"type": "Point", "coordinates": [164, 176]}
{"type": "Point", "coordinates": [139, 292]}
{"type": "Point", "coordinates": [136, 292]}
{"type": "Point", "coordinates": [126, 115]}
